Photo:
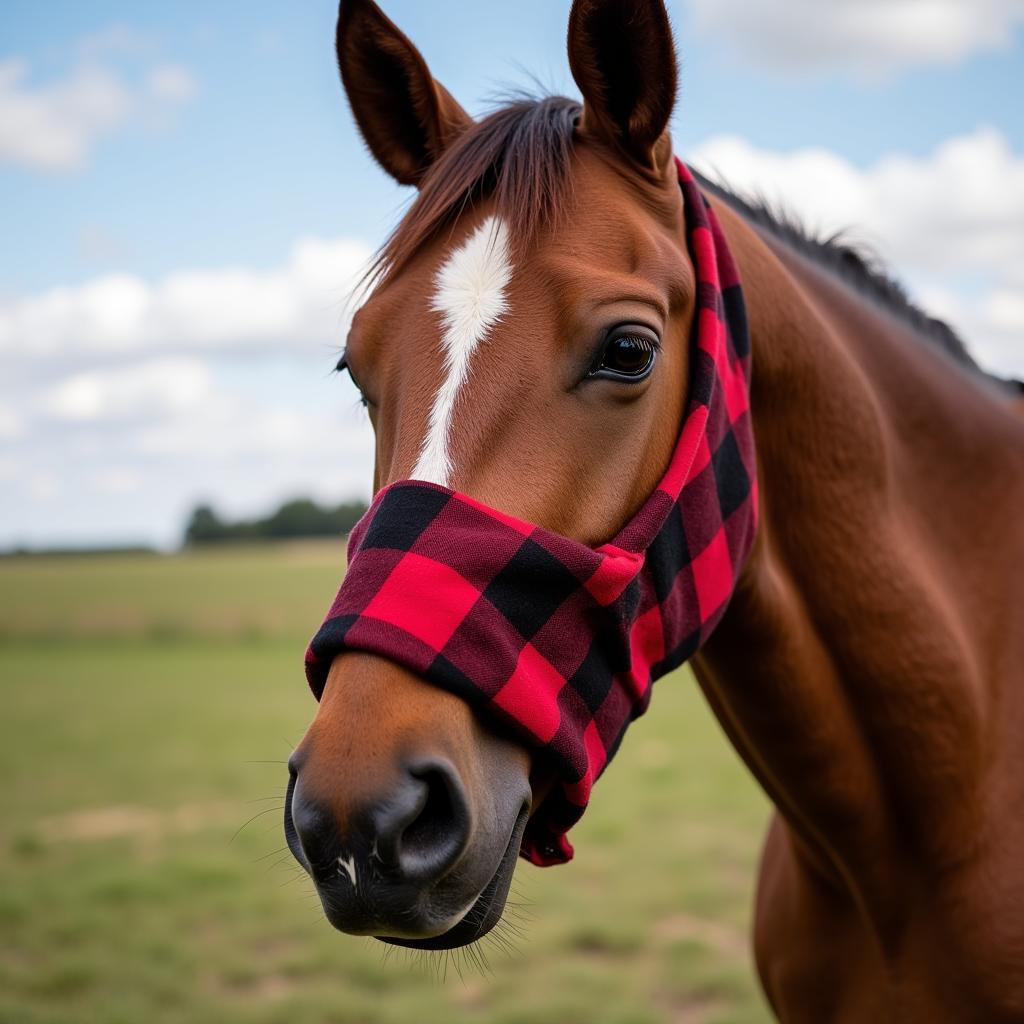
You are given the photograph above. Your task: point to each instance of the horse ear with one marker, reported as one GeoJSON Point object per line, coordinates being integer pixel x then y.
{"type": "Point", "coordinates": [406, 118]}
{"type": "Point", "coordinates": [624, 62]}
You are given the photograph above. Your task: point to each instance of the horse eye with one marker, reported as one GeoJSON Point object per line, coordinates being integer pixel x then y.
{"type": "Point", "coordinates": [344, 367]}
{"type": "Point", "coordinates": [628, 355]}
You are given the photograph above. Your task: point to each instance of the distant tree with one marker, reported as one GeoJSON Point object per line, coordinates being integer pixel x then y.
{"type": "Point", "coordinates": [347, 514]}
{"type": "Point", "coordinates": [204, 526]}
{"type": "Point", "coordinates": [299, 517]}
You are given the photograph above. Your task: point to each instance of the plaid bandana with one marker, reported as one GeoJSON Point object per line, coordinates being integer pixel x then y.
{"type": "Point", "coordinates": [550, 639]}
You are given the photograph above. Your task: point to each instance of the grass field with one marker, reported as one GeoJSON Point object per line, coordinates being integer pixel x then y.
{"type": "Point", "coordinates": [148, 706]}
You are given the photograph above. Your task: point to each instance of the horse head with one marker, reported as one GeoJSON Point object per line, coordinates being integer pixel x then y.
{"type": "Point", "coordinates": [524, 342]}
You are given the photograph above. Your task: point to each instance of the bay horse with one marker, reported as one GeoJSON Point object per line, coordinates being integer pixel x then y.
{"type": "Point", "coordinates": [867, 667]}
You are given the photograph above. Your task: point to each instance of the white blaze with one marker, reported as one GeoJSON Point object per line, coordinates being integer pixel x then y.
{"type": "Point", "coordinates": [470, 297]}
{"type": "Point", "coordinates": [348, 866]}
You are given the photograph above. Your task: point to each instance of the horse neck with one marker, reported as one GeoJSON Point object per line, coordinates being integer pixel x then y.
{"type": "Point", "coordinates": [853, 667]}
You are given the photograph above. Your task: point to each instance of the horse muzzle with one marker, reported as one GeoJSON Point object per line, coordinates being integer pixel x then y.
{"type": "Point", "coordinates": [400, 841]}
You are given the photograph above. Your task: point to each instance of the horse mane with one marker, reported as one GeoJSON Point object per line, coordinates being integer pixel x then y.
{"type": "Point", "coordinates": [855, 263]}
{"type": "Point", "coordinates": [521, 154]}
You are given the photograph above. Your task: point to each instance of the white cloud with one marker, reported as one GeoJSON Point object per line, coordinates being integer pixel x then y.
{"type": "Point", "coordinates": [115, 39]}
{"type": "Point", "coordinates": [95, 243]}
{"type": "Point", "coordinates": [55, 127]}
{"type": "Point", "coordinates": [960, 208]}
{"type": "Point", "coordinates": [138, 478]}
{"type": "Point", "coordinates": [42, 486]}
{"type": "Point", "coordinates": [952, 218]}
{"type": "Point", "coordinates": [140, 391]}
{"type": "Point", "coordinates": [235, 427]}
{"type": "Point", "coordinates": [130, 449]}
{"type": "Point", "coordinates": [1005, 310]}
{"type": "Point", "coordinates": [117, 480]}
{"type": "Point", "coordinates": [869, 37]}
{"type": "Point", "coordinates": [201, 384]}
{"type": "Point", "coordinates": [171, 82]}
{"type": "Point", "coordinates": [298, 303]}
{"type": "Point", "coordinates": [12, 426]}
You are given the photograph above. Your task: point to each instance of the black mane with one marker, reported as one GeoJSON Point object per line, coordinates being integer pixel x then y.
{"type": "Point", "coordinates": [857, 265]}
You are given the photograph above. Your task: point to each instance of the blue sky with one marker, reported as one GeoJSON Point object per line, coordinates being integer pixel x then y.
{"type": "Point", "coordinates": [267, 151]}
{"type": "Point", "coordinates": [157, 157]}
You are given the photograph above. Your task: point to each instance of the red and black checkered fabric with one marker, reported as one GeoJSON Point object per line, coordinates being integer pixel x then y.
{"type": "Point", "coordinates": [548, 638]}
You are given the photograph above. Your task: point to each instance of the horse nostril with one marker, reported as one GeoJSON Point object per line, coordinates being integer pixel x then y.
{"type": "Point", "coordinates": [416, 833]}
{"type": "Point", "coordinates": [311, 833]}
{"type": "Point", "coordinates": [423, 830]}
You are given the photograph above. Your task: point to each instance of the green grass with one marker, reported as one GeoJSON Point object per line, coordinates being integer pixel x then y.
{"type": "Point", "coordinates": [148, 705]}
{"type": "Point", "coordinates": [237, 591]}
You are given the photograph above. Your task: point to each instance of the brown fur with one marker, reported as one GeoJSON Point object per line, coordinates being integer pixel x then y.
{"type": "Point", "coordinates": [878, 694]}
{"type": "Point", "coordinates": [868, 668]}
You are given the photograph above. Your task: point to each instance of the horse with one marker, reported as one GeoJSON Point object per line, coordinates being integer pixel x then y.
{"type": "Point", "coordinates": [867, 662]}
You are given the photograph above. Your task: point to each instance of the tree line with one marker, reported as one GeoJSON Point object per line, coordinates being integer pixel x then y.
{"type": "Point", "coordinates": [300, 517]}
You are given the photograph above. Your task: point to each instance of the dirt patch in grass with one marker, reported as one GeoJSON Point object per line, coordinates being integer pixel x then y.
{"type": "Point", "coordinates": [130, 822]}
{"type": "Point", "coordinates": [269, 987]}
{"type": "Point", "coordinates": [693, 1011]}
{"type": "Point", "coordinates": [714, 935]}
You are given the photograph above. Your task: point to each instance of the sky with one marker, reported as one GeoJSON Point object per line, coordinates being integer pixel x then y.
{"type": "Point", "coordinates": [186, 204]}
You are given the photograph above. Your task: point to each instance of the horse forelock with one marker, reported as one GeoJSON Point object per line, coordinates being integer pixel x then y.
{"type": "Point", "coordinates": [518, 156]}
